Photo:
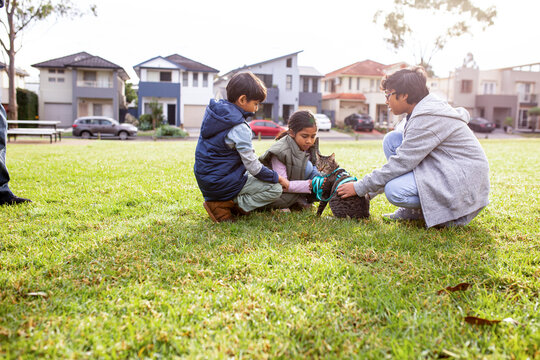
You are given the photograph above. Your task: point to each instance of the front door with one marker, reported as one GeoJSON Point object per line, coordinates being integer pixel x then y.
{"type": "Point", "coordinates": [286, 113]}
{"type": "Point", "coordinates": [171, 114]}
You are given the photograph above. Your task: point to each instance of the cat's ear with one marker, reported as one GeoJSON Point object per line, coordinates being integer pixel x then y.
{"type": "Point", "coordinates": [333, 156]}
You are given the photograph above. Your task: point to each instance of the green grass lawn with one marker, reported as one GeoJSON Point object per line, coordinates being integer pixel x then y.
{"type": "Point", "coordinates": [116, 258]}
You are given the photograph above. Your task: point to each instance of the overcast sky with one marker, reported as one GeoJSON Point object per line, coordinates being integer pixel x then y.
{"type": "Point", "coordinates": [228, 34]}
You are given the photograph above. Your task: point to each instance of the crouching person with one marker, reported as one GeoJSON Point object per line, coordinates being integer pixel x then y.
{"type": "Point", "coordinates": [436, 169]}
{"type": "Point", "coordinates": [231, 178]}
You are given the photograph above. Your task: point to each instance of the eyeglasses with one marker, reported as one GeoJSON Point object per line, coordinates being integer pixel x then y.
{"type": "Point", "coordinates": [389, 94]}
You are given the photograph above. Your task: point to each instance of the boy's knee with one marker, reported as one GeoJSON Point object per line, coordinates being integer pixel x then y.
{"type": "Point", "coordinates": [392, 193]}
{"type": "Point", "coordinates": [392, 138]}
{"type": "Point", "coordinates": [276, 190]}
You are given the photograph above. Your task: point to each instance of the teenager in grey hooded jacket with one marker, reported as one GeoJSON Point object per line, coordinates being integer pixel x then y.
{"type": "Point", "coordinates": [449, 165]}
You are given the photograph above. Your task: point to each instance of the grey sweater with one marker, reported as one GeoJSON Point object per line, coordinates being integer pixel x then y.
{"type": "Point", "coordinates": [450, 167]}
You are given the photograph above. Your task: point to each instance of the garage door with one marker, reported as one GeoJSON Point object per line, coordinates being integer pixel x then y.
{"type": "Point", "coordinates": [193, 115]}
{"type": "Point", "coordinates": [58, 112]}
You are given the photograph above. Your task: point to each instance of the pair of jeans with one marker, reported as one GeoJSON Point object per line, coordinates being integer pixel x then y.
{"type": "Point", "coordinates": [4, 174]}
{"type": "Point", "coordinates": [401, 191]}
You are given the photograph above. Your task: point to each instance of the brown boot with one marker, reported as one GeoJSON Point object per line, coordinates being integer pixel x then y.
{"type": "Point", "coordinates": [238, 211]}
{"type": "Point", "coordinates": [220, 210]}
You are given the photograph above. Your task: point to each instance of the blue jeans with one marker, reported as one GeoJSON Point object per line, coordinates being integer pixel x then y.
{"type": "Point", "coordinates": [401, 191]}
{"type": "Point", "coordinates": [4, 175]}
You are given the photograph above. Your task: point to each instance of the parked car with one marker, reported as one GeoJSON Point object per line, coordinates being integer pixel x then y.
{"type": "Point", "coordinates": [323, 122]}
{"type": "Point", "coordinates": [265, 128]}
{"type": "Point", "coordinates": [88, 126]}
{"type": "Point", "coordinates": [481, 125]}
{"type": "Point", "coordinates": [359, 122]}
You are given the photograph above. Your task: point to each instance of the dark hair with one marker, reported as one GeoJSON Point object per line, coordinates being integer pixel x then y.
{"type": "Point", "coordinates": [407, 81]}
{"type": "Point", "coordinates": [246, 84]}
{"type": "Point", "coordinates": [298, 121]}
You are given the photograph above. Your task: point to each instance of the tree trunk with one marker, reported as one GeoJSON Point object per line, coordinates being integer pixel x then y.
{"type": "Point", "coordinates": [12, 111]}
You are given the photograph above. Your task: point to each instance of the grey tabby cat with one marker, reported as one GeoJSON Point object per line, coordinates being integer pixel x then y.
{"type": "Point", "coordinates": [353, 207]}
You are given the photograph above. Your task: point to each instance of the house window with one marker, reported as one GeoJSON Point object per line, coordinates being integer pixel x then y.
{"type": "Point", "coordinates": [266, 79]}
{"type": "Point", "coordinates": [357, 83]}
{"type": "Point", "coordinates": [89, 76]}
{"type": "Point", "coordinates": [466, 86]}
{"type": "Point", "coordinates": [525, 92]}
{"type": "Point", "coordinates": [52, 79]}
{"type": "Point", "coordinates": [52, 71]}
{"type": "Point", "coordinates": [488, 87]}
{"type": "Point", "coordinates": [314, 86]}
{"type": "Point", "coordinates": [165, 76]}
{"type": "Point", "coordinates": [98, 109]}
{"type": "Point", "coordinates": [325, 86]}
{"type": "Point", "coordinates": [205, 80]}
{"type": "Point", "coordinates": [306, 85]}
{"type": "Point", "coordinates": [333, 86]}
{"type": "Point", "coordinates": [60, 79]}
{"type": "Point", "coordinates": [60, 71]}
{"type": "Point", "coordinates": [184, 78]}
{"type": "Point", "coordinates": [371, 84]}
{"type": "Point", "coordinates": [350, 83]}
{"type": "Point", "coordinates": [289, 62]}
{"type": "Point", "coordinates": [195, 79]}
{"type": "Point", "coordinates": [289, 82]}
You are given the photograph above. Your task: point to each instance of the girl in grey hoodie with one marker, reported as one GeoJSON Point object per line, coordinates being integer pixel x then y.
{"type": "Point", "coordinates": [436, 168]}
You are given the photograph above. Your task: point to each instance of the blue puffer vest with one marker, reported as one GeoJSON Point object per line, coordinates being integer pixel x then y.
{"type": "Point", "coordinates": [218, 168]}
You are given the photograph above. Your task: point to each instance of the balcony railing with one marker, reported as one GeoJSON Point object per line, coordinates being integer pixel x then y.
{"type": "Point", "coordinates": [527, 98]}
{"type": "Point", "coordinates": [94, 84]}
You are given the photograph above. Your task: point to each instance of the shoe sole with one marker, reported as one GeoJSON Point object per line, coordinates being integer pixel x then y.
{"type": "Point", "coordinates": [207, 208]}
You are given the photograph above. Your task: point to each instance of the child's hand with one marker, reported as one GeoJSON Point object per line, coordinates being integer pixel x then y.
{"type": "Point", "coordinates": [346, 190]}
{"type": "Point", "coordinates": [284, 183]}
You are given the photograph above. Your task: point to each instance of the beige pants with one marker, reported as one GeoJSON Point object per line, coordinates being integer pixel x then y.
{"type": "Point", "coordinates": [257, 193]}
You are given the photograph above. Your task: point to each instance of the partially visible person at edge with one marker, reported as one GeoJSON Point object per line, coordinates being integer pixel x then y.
{"type": "Point", "coordinates": [224, 152]}
{"type": "Point", "coordinates": [6, 196]}
{"type": "Point", "coordinates": [293, 157]}
{"type": "Point", "coordinates": [436, 169]}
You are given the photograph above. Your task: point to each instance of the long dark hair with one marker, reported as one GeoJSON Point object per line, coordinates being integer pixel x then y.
{"type": "Point", "coordinates": [298, 121]}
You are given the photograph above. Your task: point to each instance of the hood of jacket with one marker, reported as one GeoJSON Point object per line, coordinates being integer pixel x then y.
{"type": "Point", "coordinates": [433, 105]}
{"type": "Point", "coordinates": [221, 115]}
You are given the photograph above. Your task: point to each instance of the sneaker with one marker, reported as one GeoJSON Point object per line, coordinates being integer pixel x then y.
{"type": "Point", "coordinates": [14, 200]}
{"type": "Point", "coordinates": [405, 214]}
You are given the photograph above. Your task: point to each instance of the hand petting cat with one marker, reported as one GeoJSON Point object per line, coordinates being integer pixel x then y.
{"type": "Point", "coordinates": [346, 190]}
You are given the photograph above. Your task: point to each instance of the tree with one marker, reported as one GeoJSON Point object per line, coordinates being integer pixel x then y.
{"type": "Point", "coordinates": [462, 16]}
{"type": "Point", "coordinates": [130, 93]}
{"type": "Point", "coordinates": [156, 111]}
{"type": "Point", "coordinates": [20, 14]}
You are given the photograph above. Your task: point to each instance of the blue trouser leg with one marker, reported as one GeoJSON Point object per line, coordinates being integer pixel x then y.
{"type": "Point", "coordinates": [401, 191]}
{"type": "Point", "coordinates": [4, 175]}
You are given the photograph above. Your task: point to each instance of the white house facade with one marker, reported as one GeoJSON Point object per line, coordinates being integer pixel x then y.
{"type": "Point", "coordinates": [182, 86]}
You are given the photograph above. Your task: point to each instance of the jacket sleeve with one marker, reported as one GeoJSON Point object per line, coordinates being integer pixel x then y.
{"type": "Point", "coordinates": [240, 136]}
{"type": "Point", "coordinates": [417, 144]}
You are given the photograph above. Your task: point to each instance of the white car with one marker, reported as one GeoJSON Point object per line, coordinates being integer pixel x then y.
{"type": "Point", "coordinates": [323, 122]}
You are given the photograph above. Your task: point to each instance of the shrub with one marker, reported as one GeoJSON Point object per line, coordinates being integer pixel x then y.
{"type": "Point", "coordinates": [169, 130]}
{"type": "Point", "coordinates": [27, 102]}
{"type": "Point", "coordinates": [145, 122]}
{"type": "Point", "coordinates": [130, 119]}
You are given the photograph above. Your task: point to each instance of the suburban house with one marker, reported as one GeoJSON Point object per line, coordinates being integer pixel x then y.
{"type": "Point", "coordinates": [182, 86]}
{"type": "Point", "coordinates": [4, 83]}
{"type": "Point", "coordinates": [355, 89]}
{"type": "Point", "coordinates": [80, 85]}
{"type": "Point", "coordinates": [493, 94]}
{"type": "Point", "coordinates": [289, 87]}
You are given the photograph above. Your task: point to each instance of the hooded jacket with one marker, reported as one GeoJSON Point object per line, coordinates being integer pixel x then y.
{"type": "Point", "coordinates": [218, 168]}
{"type": "Point", "coordinates": [450, 167]}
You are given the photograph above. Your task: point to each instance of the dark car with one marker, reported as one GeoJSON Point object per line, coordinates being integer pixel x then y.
{"type": "Point", "coordinates": [481, 125]}
{"type": "Point", "coordinates": [359, 122]}
{"type": "Point", "coordinates": [89, 126]}
{"type": "Point", "coordinates": [265, 128]}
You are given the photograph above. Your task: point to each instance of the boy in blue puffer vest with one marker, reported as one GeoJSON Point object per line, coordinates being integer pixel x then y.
{"type": "Point", "coordinates": [224, 152]}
